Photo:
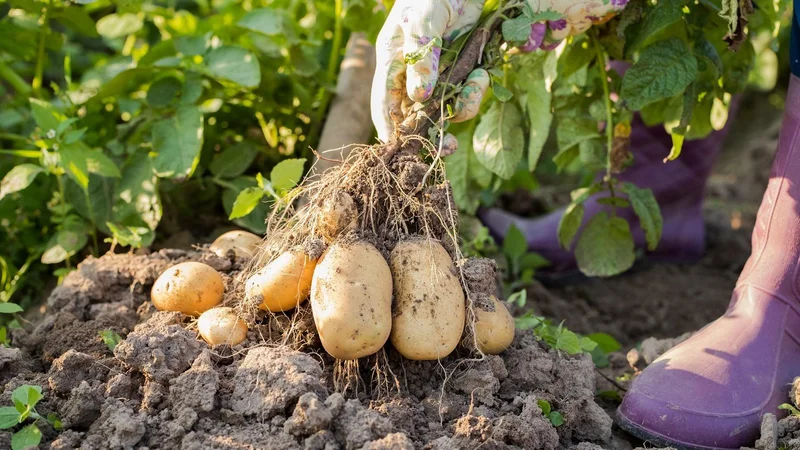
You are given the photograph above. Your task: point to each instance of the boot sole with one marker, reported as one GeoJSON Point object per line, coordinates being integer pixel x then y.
{"type": "Point", "coordinates": [657, 439]}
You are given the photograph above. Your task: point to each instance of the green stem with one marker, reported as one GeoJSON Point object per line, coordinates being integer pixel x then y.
{"type": "Point", "coordinates": [601, 63]}
{"type": "Point", "coordinates": [37, 78]}
{"type": "Point", "coordinates": [13, 78]}
{"type": "Point", "coordinates": [62, 201]}
{"type": "Point", "coordinates": [325, 95]}
{"type": "Point", "coordinates": [93, 232]}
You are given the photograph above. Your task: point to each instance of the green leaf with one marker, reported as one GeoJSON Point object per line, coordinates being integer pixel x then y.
{"type": "Point", "coordinates": [72, 239]}
{"type": "Point", "coordinates": [115, 26]}
{"type": "Point", "coordinates": [587, 345]}
{"type": "Point", "coordinates": [18, 178]}
{"type": "Point", "coordinates": [28, 437]}
{"type": "Point", "coordinates": [605, 342]}
{"type": "Point", "coordinates": [178, 141]}
{"type": "Point", "coordinates": [545, 406]}
{"type": "Point", "coordinates": [191, 45]}
{"type": "Point", "coordinates": [571, 131]}
{"type": "Point", "coordinates": [567, 341]}
{"type": "Point", "coordinates": [267, 21]}
{"type": "Point", "coordinates": [663, 70]}
{"type": "Point", "coordinates": [46, 117]}
{"type": "Point", "coordinates": [234, 64]}
{"type": "Point", "coordinates": [575, 57]}
{"type": "Point", "coordinates": [540, 118]}
{"type": "Point", "coordinates": [163, 91]}
{"type": "Point", "coordinates": [730, 12]}
{"type": "Point", "coordinates": [137, 199]}
{"type": "Point", "coordinates": [569, 224]}
{"type": "Point", "coordinates": [605, 247]}
{"type": "Point", "coordinates": [657, 17]}
{"type": "Point", "coordinates": [234, 160]}
{"type": "Point", "coordinates": [27, 394]}
{"type": "Point", "coordinates": [501, 93]}
{"type": "Point", "coordinates": [517, 29]}
{"type": "Point", "coordinates": [647, 210]}
{"type": "Point", "coordinates": [77, 19]}
{"type": "Point", "coordinates": [556, 419]}
{"type": "Point", "coordinates": [498, 139]}
{"type": "Point", "coordinates": [53, 419]}
{"type": "Point", "coordinates": [110, 338]}
{"type": "Point", "coordinates": [246, 202]}
{"type": "Point", "coordinates": [9, 417]}
{"type": "Point", "coordinates": [256, 219]}
{"type": "Point", "coordinates": [304, 61]}
{"type": "Point", "coordinates": [287, 173]}
{"type": "Point", "coordinates": [10, 308]}
{"type": "Point", "coordinates": [97, 162]}
{"type": "Point", "coordinates": [514, 245]}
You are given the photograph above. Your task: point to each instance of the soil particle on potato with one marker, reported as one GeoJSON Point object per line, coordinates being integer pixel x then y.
{"type": "Point", "coordinates": [480, 275]}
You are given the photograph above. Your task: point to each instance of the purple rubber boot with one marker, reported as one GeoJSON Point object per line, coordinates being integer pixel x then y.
{"type": "Point", "coordinates": [710, 391]}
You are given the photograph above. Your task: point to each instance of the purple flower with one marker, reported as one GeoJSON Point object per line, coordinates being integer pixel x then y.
{"type": "Point", "coordinates": [560, 24]}
{"type": "Point", "coordinates": [619, 3]}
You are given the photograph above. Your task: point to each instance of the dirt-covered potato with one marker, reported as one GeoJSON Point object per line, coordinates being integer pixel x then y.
{"type": "Point", "coordinates": [494, 326]}
{"type": "Point", "coordinates": [282, 284]}
{"type": "Point", "coordinates": [190, 288]}
{"type": "Point", "coordinates": [243, 243]}
{"type": "Point", "coordinates": [429, 312]}
{"type": "Point", "coordinates": [338, 215]}
{"type": "Point", "coordinates": [351, 297]}
{"type": "Point", "coordinates": [221, 325]}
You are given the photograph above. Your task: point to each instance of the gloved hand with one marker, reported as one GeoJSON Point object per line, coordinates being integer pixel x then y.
{"type": "Point", "coordinates": [412, 24]}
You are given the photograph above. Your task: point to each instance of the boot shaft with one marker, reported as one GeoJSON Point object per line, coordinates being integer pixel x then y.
{"type": "Point", "coordinates": [773, 263]}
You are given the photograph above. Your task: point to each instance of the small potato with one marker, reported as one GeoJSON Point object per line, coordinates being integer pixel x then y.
{"type": "Point", "coordinates": [429, 311]}
{"type": "Point", "coordinates": [282, 284]}
{"type": "Point", "coordinates": [190, 288]}
{"type": "Point", "coordinates": [338, 215]}
{"type": "Point", "coordinates": [244, 244]}
{"type": "Point", "coordinates": [221, 325]}
{"type": "Point", "coordinates": [494, 326]}
{"type": "Point", "coordinates": [351, 297]}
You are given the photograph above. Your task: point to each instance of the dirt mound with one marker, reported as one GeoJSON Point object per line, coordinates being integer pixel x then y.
{"type": "Point", "coordinates": [163, 388]}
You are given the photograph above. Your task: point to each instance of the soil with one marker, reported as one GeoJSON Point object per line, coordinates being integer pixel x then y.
{"type": "Point", "coordinates": [162, 387]}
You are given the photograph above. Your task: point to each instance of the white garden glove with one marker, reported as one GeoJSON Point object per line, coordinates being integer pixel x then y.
{"type": "Point", "coordinates": [414, 23]}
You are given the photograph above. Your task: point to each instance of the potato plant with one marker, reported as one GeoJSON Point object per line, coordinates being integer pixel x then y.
{"type": "Point", "coordinates": [120, 118]}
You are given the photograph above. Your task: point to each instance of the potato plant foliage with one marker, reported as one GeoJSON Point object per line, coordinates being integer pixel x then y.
{"type": "Point", "coordinates": [687, 59]}
{"type": "Point", "coordinates": [123, 117]}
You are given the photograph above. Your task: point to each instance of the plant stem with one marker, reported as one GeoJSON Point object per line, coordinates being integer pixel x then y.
{"type": "Point", "coordinates": [62, 202]}
{"type": "Point", "coordinates": [325, 94]}
{"type": "Point", "coordinates": [37, 78]}
{"type": "Point", "coordinates": [13, 78]}
{"type": "Point", "coordinates": [601, 63]}
{"type": "Point", "coordinates": [93, 231]}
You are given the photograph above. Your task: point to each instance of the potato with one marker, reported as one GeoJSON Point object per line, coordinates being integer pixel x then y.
{"type": "Point", "coordinates": [351, 297]}
{"type": "Point", "coordinates": [338, 215]}
{"type": "Point", "coordinates": [221, 325]}
{"type": "Point", "coordinates": [282, 284]}
{"type": "Point", "coordinates": [191, 288]}
{"type": "Point", "coordinates": [429, 312]}
{"type": "Point", "coordinates": [494, 326]}
{"type": "Point", "coordinates": [244, 244]}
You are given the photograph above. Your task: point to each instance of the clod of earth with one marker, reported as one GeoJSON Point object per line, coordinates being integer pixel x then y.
{"type": "Point", "coordinates": [164, 388]}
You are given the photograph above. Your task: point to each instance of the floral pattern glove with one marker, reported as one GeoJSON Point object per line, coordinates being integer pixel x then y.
{"type": "Point", "coordinates": [415, 27]}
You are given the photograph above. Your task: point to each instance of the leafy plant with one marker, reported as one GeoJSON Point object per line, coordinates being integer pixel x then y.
{"type": "Point", "coordinates": [25, 399]}
{"type": "Point", "coordinates": [557, 337]}
{"type": "Point", "coordinates": [687, 60]}
{"type": "Point", "coordinates": [791, 408]}
{"type": "Point", "coordinates": [117, 116]}
{"type": "Point", "coordinates": [110, 338]}
{"type": "Point", "coordinates": [521, 263]}
{"type": "Point", "coordinates": [555, 417]}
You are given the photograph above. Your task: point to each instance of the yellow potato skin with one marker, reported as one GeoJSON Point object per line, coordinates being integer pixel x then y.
{"type": "Point", "coordinates": [190, 288]}
{"type": "Point", "coordinates": [351, 297]}
{"type": "Point", "coordinates": [244, 244]}
{"type": "Point", "coordinates": [221, 325]}
{"type": "Point", "coordinates": [429, 311]}
{"type": "Point", "coordinates": [282, 284]}
{"type": "Point", "coordinates": [338, 215]}
{"type": "Point", "coordinates": [494, 330]}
